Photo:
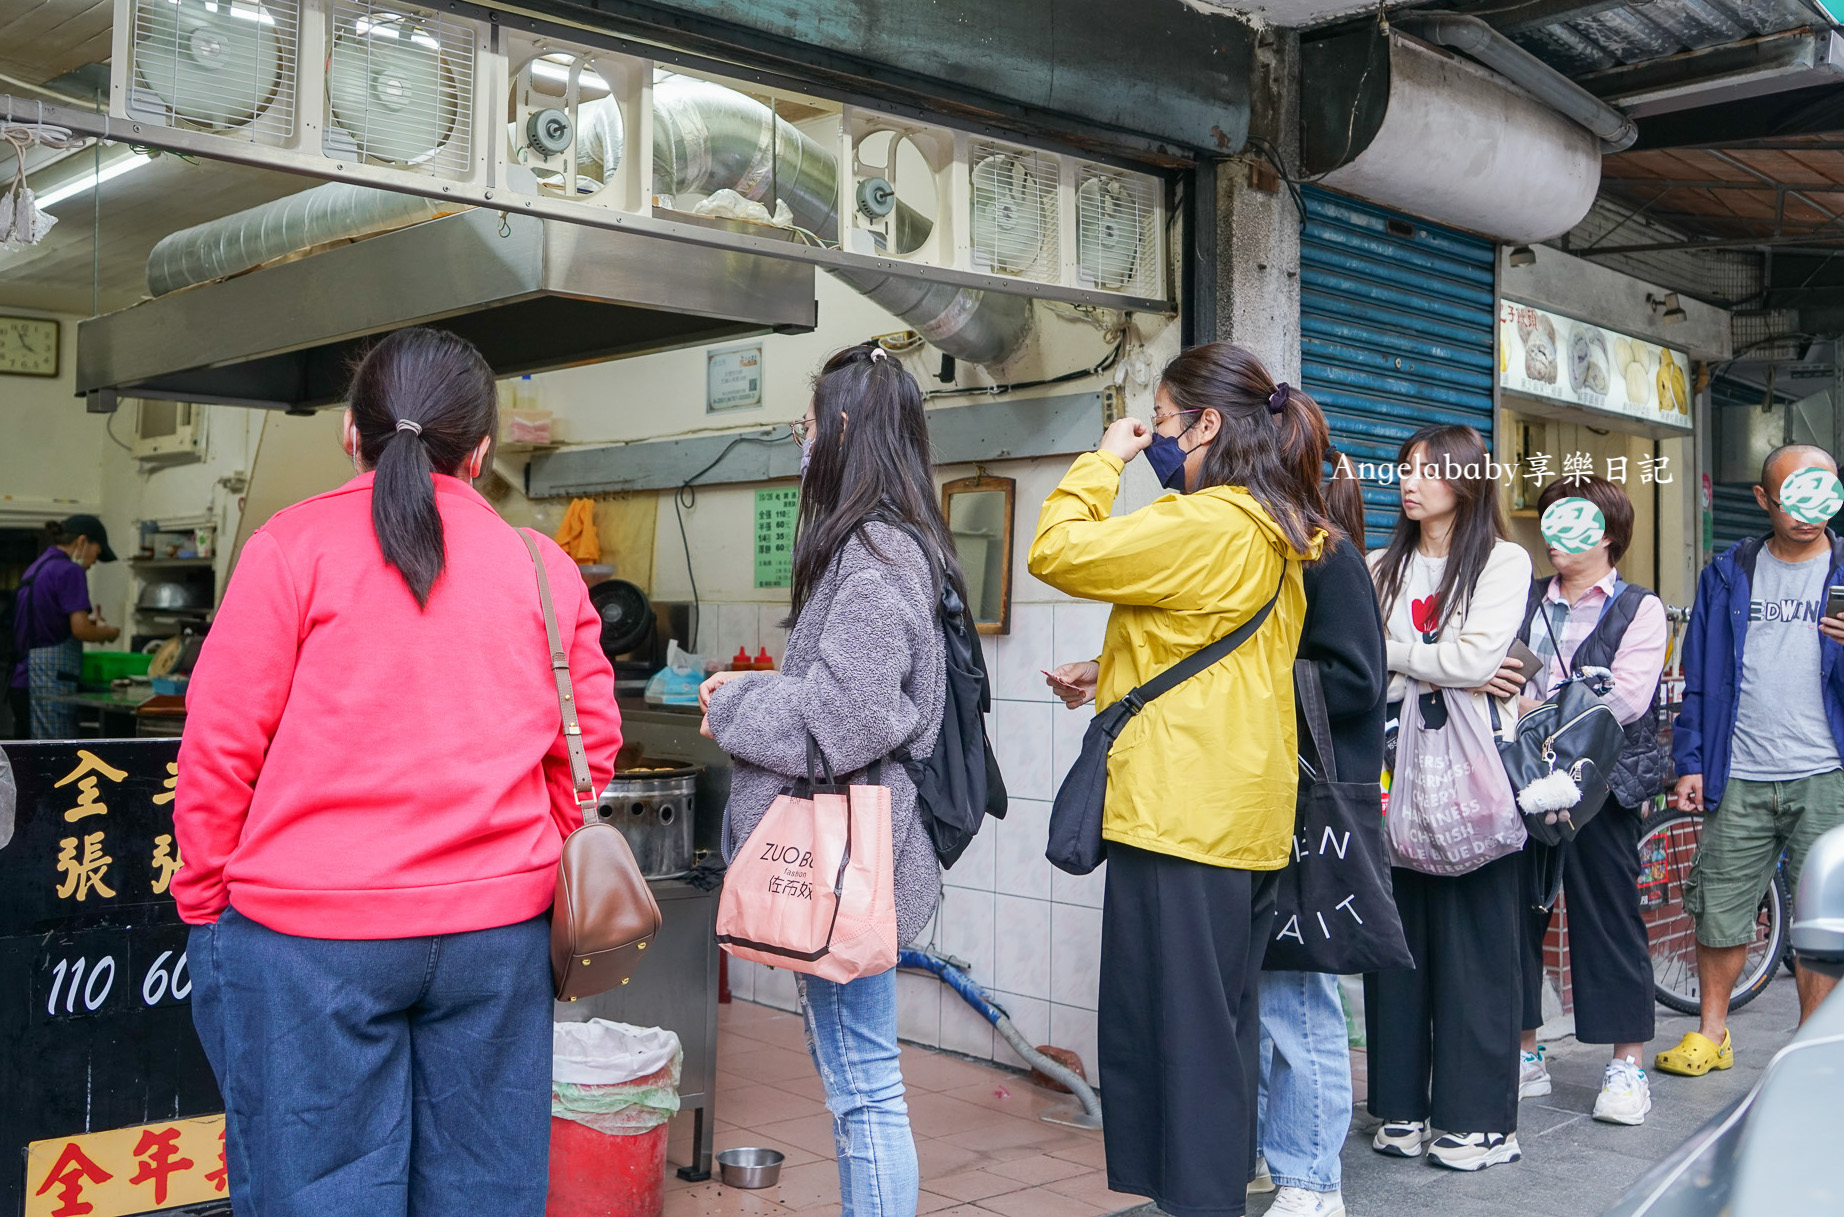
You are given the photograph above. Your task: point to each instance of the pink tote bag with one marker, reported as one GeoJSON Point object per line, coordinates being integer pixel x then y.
{"type": "Point", "coordinates": [814, 888]}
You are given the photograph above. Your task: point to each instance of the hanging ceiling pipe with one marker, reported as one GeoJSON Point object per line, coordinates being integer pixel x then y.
{"type": "Point", "coordinates": [1476, 39]}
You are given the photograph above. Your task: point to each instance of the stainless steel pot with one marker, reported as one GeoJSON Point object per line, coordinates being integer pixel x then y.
{"type": "Point", "coordinates": [654, 809]}
{"type": "Point", "coordinates": [171, 594]}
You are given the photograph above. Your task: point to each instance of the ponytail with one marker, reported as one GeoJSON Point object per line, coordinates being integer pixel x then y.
{"type": "Point", "coordinates": [422, 400]}
{"type": "Point", "coordinates": [1266, 431]}
{"type": "Point", "coordinates": [1306, 445]}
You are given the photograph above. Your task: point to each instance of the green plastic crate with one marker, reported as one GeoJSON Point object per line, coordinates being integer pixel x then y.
{"type": "Point", "coordinates": [102, 668]}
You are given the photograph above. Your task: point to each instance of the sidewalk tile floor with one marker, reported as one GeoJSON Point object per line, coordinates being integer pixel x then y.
{"type": "Point", "coordinates": [981, 1146]}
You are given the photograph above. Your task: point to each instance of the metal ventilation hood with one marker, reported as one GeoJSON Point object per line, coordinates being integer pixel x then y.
{"type": "Point", "coordinates": [531, 294]}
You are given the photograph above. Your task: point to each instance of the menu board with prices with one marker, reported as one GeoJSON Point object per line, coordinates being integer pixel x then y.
{"type": "Point", "coordinates": [777, 514]}
{"type": "Point", "coordinates": [99, 1028]}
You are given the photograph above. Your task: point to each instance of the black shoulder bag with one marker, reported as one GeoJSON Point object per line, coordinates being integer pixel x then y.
{"type": "Point", "coordinates": [1334, 908]}
{"type": "Point", "coordinates": [1075, 818]}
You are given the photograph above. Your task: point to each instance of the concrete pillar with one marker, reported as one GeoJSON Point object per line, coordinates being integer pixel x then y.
{"type": "Point", "coordinates": [1258, 223]}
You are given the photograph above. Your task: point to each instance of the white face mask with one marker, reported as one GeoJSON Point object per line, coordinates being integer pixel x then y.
{"type": "Point", "coordinates": [806, 454]}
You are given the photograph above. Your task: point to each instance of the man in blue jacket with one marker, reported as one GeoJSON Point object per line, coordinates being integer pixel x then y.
{"type": "Point", "coordinates": [1759, 741]}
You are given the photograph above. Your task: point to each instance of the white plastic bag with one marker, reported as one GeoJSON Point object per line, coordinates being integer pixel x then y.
{"type": "Point", "coordinates": [1451, 807]}
{"type": "Point", "coordinates": [613, 1077]}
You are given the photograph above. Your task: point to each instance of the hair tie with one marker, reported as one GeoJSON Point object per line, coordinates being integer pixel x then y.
{"type": "Point", "coordinates": [878, 353]}
{"type": "Point", "coordinates": [1277, 401]}
{"type": "Point", "coordinates": [414, 428]}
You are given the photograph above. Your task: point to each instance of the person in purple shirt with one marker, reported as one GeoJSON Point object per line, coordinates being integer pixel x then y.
{"type": "Point", "coordinates": [52, 619]}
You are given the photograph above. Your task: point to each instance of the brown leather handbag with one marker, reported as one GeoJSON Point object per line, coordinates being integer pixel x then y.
{"type": "Point", "coordinates": [604, 914]}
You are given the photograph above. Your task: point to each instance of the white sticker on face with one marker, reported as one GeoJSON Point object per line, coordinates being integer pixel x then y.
{"type": "Point", "coordinates": [1573, 525]}
{"type": "Point", "coordinates": [1811, 495]}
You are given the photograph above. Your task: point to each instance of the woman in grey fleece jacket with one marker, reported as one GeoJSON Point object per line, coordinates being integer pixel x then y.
{"type": "Point", "coordinates": [865, 677]}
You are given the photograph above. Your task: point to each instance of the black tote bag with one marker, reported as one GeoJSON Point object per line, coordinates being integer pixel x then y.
{"type": "Point", "coordinates": [1334, 909]}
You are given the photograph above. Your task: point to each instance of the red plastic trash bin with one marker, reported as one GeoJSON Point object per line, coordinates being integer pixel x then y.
{"type": "Point", "coordinates": [597, 1174]}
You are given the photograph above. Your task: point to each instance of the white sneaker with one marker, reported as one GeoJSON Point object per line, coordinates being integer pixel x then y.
{"type": "Point", "coordinates": [1533, 1076]}
{"type": "Point", "coordinates": [1298, 1202]}
{"type": "Point", "coordinates": [1626, 1095]}
{"type": "Point", "coordinates": [1401, 1138]}
{"type": "Point", "coordinates": [1474, 1151]}
{"type": "Point", "coordinates": [1263, 1181]}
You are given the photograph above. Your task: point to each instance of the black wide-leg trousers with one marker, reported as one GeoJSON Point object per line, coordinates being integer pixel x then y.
{"type": "Point", "coordinates": [1443, 1036]}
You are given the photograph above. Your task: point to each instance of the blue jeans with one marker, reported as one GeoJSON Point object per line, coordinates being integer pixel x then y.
{"type": "Point", "coordinates": [851, 1032]}
{"type": "Point", "coordinates": [396, 1077]}
{"type": "Point", "coordinates": [1305, 1100]}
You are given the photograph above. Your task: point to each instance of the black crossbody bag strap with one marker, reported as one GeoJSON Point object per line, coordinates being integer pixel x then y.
{"type": "Point", "coordinates": [1197, 661]}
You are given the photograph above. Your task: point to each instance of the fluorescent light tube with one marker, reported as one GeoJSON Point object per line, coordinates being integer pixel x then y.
{"type": "Point", "coordinates": [89, 181]}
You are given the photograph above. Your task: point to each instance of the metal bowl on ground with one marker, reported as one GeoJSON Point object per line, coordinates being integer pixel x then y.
{"type": "Point", "coordinates": [750, 1168]}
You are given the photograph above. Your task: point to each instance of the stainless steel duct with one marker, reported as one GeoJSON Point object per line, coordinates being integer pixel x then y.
{"type": "Point", "coordinates": [1473, 37]}
{"type": "Point", "coordinates": [706, 138]}
{"type": "Point", "coordinates": [283, 226]}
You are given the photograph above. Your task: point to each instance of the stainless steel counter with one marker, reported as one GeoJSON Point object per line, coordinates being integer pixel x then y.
{"type": "Point", "coordinates": [677, 989]}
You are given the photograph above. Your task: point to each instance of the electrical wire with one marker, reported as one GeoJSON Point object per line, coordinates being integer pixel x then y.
{"type": "Point", "coordinates": [685, 498]}
{"type": "Point", "coordinates": [108, 425]}
{"type": "Point", "coordinates": [1107, 362]}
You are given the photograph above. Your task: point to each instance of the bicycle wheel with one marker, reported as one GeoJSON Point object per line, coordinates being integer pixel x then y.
{"type": "Point", "coordinates": [1667, 843]}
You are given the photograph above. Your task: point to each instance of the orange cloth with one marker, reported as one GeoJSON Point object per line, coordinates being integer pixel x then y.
{"type": "Point", "coordinates": [577, 534]}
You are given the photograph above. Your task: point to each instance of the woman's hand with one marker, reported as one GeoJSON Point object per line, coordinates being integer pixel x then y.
{"type": "Point", "coordinates": [1075, 682]}
{"type": "Point", "coordinates": [715, 682]}
{"type": "Point", "coordinates": [704, 724]}
{"type": "Point", "coordinates": [1526, 704]}
{"type": "Point", "coordinates": [1509, 681]}
{"type": "Point", "coordinates": [1127, 438]}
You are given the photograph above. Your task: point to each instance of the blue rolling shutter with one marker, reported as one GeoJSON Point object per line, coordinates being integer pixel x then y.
{"type": "Point", "coordinates": [1737, 516]}
{"type": "Point", "coordinates": [1396, 332]}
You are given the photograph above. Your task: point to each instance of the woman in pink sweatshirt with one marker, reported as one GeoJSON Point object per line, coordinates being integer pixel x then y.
{"type": "Point", "coordinates": [373, 792]}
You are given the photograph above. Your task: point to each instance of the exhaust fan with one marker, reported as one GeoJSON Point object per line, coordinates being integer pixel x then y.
{"type": "Point", "coordinates": [223, 66]}
{"type": "Point", "coordinates": [400, 88]}
{"type": "Point", "coordinates": [1015, 216]}
{"type": "Point", "coordinates": [1117, 230]}
{"type": "Point", "coordinates": [565, 122]}
{"type": "Point", "coordinates": [896, 187]}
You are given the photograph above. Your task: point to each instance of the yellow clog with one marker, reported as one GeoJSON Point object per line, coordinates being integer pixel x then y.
{"type": "Point", "coordinates": [1695, 1056]}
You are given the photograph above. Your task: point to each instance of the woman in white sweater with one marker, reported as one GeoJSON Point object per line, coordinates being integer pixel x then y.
{"type": "Point", "coordinates": [1444, 1036]}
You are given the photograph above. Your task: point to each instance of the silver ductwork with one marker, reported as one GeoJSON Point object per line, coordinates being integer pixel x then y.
{"type": "Point", "coordinates": [236, 243]}
{"type": "Point", "coordinates": [705, 138]}
{"type": "Point", "coordinates": [1388, 118]}
{"type": "Point", "coordinates": [1473, 37]}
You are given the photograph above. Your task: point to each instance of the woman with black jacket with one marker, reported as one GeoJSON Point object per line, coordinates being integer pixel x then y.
{"type": "Point", "coordinates": [1305, 1049]}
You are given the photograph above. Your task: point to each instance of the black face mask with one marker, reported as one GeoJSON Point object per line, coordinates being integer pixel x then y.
{"type": "Point", "coordinates": [1167, 459]}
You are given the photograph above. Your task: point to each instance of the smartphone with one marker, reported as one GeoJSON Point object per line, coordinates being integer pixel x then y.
{"type": "Point", "coordinates": [1834, 601]}
{"type": "Point", "coordinates": [1055, 679]}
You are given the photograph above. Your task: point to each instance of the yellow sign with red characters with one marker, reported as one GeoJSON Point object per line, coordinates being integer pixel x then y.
{"type": "Point", "coordinates": [127, 1170]}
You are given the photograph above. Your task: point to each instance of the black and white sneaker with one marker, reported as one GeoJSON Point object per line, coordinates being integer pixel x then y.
{"type": "Point", "coordinates": [1401, 1138]}
{"type": "Point", "coordinates": [1474, 1151]}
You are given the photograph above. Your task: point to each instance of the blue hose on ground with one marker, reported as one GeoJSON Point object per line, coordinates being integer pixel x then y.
{"type": "Point", "coordinates": [923, 961]}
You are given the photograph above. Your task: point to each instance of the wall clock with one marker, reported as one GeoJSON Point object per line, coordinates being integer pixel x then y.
{"type": "Point", "coordinates": [29, 346]}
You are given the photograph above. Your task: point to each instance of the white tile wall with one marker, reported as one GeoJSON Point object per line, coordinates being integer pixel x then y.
{"type": "Point", "coordinates": [1021, 945]}
{"type": "Point", "coordinates": [1021, 742]}
{"type": "Point", "coordinates": [1019, 844]}
{"type": "Point", "coordinates": [1075, 954]}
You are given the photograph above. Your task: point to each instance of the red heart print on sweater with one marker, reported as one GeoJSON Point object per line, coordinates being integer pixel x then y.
{"type": "Point", "coordinates": [1426, 613]}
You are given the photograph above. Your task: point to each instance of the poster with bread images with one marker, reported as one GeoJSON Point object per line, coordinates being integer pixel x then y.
{"type": "Point", "coordinates": [1546, 355]}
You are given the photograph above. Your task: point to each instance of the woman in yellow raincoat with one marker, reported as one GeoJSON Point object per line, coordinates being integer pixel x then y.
{"type": "Point", "coordinates": [1201, 784]}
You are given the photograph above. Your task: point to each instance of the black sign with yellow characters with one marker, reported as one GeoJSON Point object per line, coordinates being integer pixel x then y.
{"type": "Point", "coordinates": [104, 1079]}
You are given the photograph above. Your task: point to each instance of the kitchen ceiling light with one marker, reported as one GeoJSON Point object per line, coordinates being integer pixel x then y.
{"type": "Point", "coordinates": [89, 181]}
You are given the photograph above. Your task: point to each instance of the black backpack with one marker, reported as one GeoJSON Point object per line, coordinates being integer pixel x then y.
{"type": "Point", "coordinates": [958, 784]}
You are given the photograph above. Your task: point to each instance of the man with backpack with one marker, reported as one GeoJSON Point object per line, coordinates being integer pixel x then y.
{"type": "Point", "coordinates": [1759, 740]}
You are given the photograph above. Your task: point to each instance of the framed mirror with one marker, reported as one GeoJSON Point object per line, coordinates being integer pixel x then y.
{"type": "Point", "coordinates": [979, 515]}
